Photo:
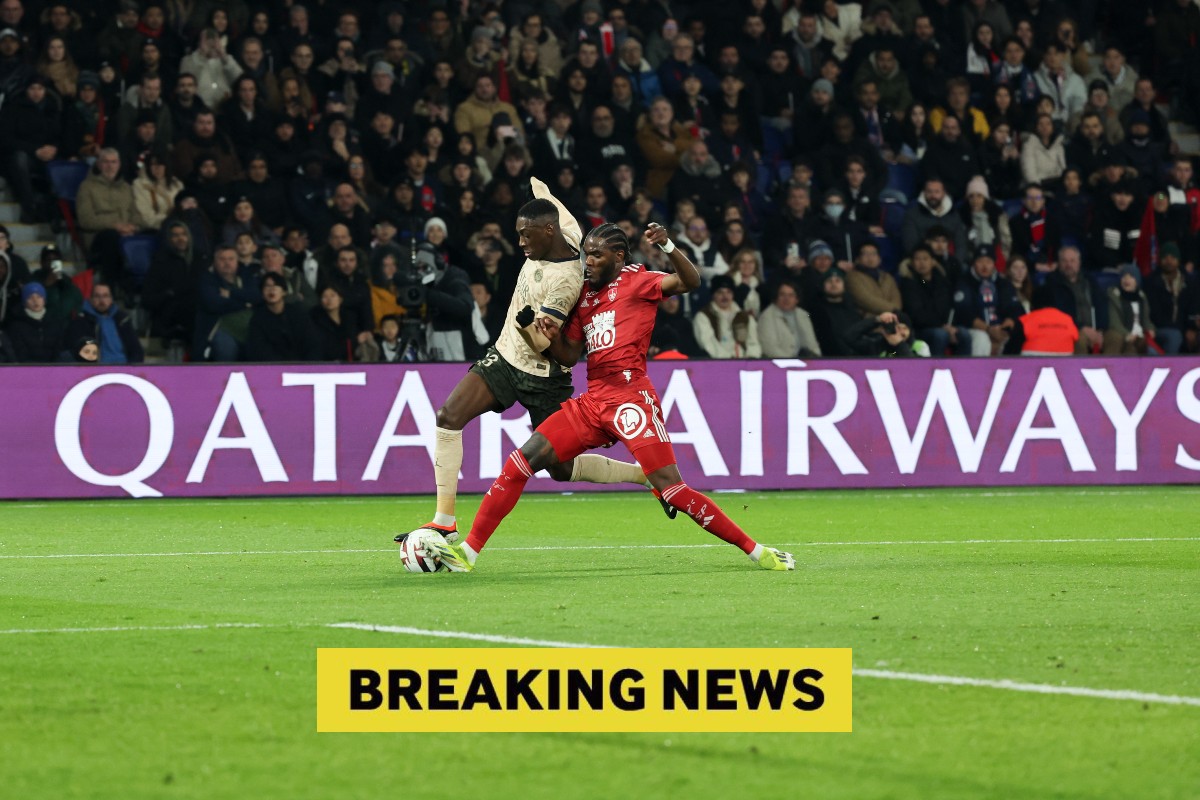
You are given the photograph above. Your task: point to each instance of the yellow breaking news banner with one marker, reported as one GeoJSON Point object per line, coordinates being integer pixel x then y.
{"type": "Point", "coordinates": [610, 690]}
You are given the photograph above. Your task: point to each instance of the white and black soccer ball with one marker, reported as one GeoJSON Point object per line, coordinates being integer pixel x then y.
{"type": "Point", "coordinates": [415, 557]}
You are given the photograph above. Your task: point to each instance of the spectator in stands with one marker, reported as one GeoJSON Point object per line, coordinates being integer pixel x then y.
{"type": "Point", "coordinates": [106, 213]}
{"type": "Point", "coordinates": [973, 124]}
{"type": "Point", "coordinates": [1129, 323]}
{"type": "Point", "coordinates": [1018, 275]}
{"type": "Point", "coordinates": [933, 207]}
{"type": "Point", "coordinates": [1014, 73]}
{"type": "Point", "coordinates": [835, 316]}
{"type": "Point", "coordinates": [280, 331]}
{"type": "Point", "coordinates": [1078, 297]}
{"type": "Point", "coordinates": [169, 291]}
{"type": "Point", "coordinates": [14, 273]}
{"type": "Point", "coordinates": [1163, 223]}
{"type": "Point", "coordinates": [950, 158]}
{"type": "Point", "coordinates": [1045, 331]}
{"type": "Point", "coordinates": [682, 63]}
{"type": "Point", "coordinates": [985, 303]}
{"type": "Point", "coordinates": [226, 299]}
{"type": "Point", "coordinates": [1115, 228]}
{"type": "Point", "coordinates": [63, 298]}
{"type": "Point", "coordinates": [723, 329]}
{"type": "Point", "coordinates": [214, 68]}
{"type": "Point", "coordinates": [30, 134]}
{"type": "Point", "coordinates": [843, 236]}
{"type": "Point", "coordinates": [748, 280]}
{"type": "Point", "coordinates": [782, 91]}
{"type": "Point", "coordinates": [1076, 203]}
{"type": "Point", "coordinates": [477, 113]}
{"type": "Point", "coordinates": [142, 103]}
{"type": "Point", "coordinates": [813, 126]}
{"type": "Point", "coordinates": [185, 104]}
{"type": "Point", "coordinates": [786, 330]}
{"type": "Point", "coordinates": [1145, 96]}
{"type": "Point", "coordinates": [101, 319]}
{"type": "Point", "coordinates": [1036, 230]}
{"type": "Point", "coordinates": [927, 297]}
{"type": "Point", "coordinates": [1100, 104]}
{"type": "Point", "coordinates": [1171, 294]}
{"type": "Point", "coordinates": [1043, 157]}
{"type": "Point", "coordinates": [337, 334]}
{"type": "Point", "coordinates": [872, 289]}
{"type": "Point", "coordinates": [892, 88]}
{"type": "Point", "coordinates": [533, 29]}
{"type": "Point", "coordinates": [673, 334]}
{"type": "Point", "coordinates": [833, 158]}
{"type": "Point", "coordinates": [1056, 80]}
{"type": "Point", "coordinates": [1143, 154]}
{"type": "Point", "coordinates": [1000, 161]}
{"type": "Point", "coordinates": [1088, 149]}
{"type": "Point", "coordinates": [36, 336]}
{"type": "Point", "coordinates": [787, 233]}
{"type": "Point", "coordinates": [1119, 78]}
{"type": "Point", "coordinates": [205, 140]}
{"type": "Point", "coordinates": [985, 222]}
{"type": "Point", "coordinates": [642, 78]}
{"type": "Point", "coordinates": [661, 140]}
{"type": "Point", "coordinates": [698, 179]}
{"type": "Point", "coordinates": [154, 192]}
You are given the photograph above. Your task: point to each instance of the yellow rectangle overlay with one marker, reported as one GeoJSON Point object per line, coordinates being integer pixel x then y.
{"type": "Point", "coordinates": [610, 690]}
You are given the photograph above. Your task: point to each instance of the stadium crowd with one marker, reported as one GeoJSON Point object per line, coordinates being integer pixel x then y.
{"type": "Point", "coordinates": [338, 180]}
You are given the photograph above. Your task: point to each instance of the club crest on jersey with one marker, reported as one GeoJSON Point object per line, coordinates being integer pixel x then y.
{"type": "Point", "coordinates": [537, 275]}
{"type": "Point", "coordinates": [629, 420]}
{"type": "Point", "coordinates": [601, 332]}
{"type": "Point", "coordinates": [612, 294]}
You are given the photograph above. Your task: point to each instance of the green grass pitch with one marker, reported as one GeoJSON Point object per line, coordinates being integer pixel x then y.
{"type": "Point", "coordinates": [988, 585]}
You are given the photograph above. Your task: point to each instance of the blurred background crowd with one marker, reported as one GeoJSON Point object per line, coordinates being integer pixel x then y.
{"type": "Point", "coordinates": [221, 180]}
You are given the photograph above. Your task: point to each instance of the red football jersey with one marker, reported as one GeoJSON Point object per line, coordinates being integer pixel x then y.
{"type": "Point", "coordinates": [616, 322]}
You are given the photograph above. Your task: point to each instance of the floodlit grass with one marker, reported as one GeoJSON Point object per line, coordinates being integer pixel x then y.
{"type": "Point", "coordinates": [224, 712]}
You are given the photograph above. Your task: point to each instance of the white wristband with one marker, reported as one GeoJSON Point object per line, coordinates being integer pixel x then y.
{"type": "Point", "coordinates": [667, 248]}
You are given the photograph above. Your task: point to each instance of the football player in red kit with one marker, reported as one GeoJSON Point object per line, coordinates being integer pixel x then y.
{"type": "Point", "coordinates": [613, 319]}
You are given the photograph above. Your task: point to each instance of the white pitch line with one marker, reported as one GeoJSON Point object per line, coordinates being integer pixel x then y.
{"type": "Point", "coordinates": [475, 637]}
{"type": "Point", "coordinates": [916, 677]}
{"type": "Point", "coordinates": [537, 548]}
{"type": "Point", "coordinates": [1035, 688]}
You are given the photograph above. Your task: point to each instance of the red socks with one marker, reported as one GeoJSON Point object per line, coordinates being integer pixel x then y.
{"type": "Point", "coordinates": [500, 499]}
{"type": "Point", "coordinates": [707, 515]}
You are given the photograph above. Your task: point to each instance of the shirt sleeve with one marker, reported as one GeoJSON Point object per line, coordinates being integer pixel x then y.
{"type": "Point", "coordinates": [561, 296]}
{"type": "Point", "coordinates": [574, 329]}
{"type": "Point", "coordinates": [649, 287]}
{"type": "Point", "coordinates": [566, 222]}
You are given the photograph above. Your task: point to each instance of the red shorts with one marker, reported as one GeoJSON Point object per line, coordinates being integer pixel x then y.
{"type": "Point", "coordinates": [591, 421]}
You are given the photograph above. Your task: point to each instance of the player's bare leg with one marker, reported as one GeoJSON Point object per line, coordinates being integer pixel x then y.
{"type": "Point", "coordinates": [708, 515]}
{"type": "Point", "coordinates": [471, 398]}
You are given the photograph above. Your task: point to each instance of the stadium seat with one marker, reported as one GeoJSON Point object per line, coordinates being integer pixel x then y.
{"type": "Point", "coordinates": [889, 253]}
{"type": "Point", "coordinates": [138, 252]}
{"type": "Point", "coordinates": [65, 178]}
{"type": "Point", "coordinates": [903, 178]}
{"type": "Point", "coordinates": [893, 219]}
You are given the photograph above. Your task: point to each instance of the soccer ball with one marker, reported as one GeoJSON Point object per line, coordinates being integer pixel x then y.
{"type": "Point", "coordinates": [414, 556]}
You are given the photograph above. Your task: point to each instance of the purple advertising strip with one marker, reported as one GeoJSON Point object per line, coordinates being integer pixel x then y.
{"type": "Point", "coordinates": [200, 431]}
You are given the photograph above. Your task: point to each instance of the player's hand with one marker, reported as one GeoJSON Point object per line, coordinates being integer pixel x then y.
{"type": "Point", "coordinates": [546, 327]}
{"type": "Point", "coordinates": [525, 317]}
{"type": "Point", "coordinates": [656, 234]}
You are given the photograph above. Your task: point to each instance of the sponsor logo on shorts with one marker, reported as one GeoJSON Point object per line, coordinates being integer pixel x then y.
{"type": "Point", "coordinates": [630, 420]}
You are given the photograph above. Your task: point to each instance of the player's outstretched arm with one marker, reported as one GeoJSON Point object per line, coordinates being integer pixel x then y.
{"type": "Point", "coordinates": [563, 349]}
{"type": "Point", "coordinates": [686, 277]}
{"type": "Point", "coordinates": [566, 220]}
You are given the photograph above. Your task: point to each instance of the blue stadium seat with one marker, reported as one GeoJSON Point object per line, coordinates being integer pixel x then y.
{"type": "Point", "coordinates": [903, 178]}
{"type": "Point", "coordinates": [893, 219]}
{"type": "Point", "coordinates": [889, 253]}
{"type": "Point", "coordinates": [65, 177]}
{"type": "Point", "coordinates": [138, 252]}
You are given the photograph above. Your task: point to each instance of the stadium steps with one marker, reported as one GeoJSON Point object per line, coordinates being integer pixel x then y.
{"type": "Point", "coordinates": [28, 240]}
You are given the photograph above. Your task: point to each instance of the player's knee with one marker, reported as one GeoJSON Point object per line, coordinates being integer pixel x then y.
{"type": "Point", "coordinates": [665, 478]}
{"type": "Point", "coordinates": [560, 472]}
{"type": "Point", "coordinates": [540, 454]}
{"type": "Point", "coordinates": [449, 418]}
